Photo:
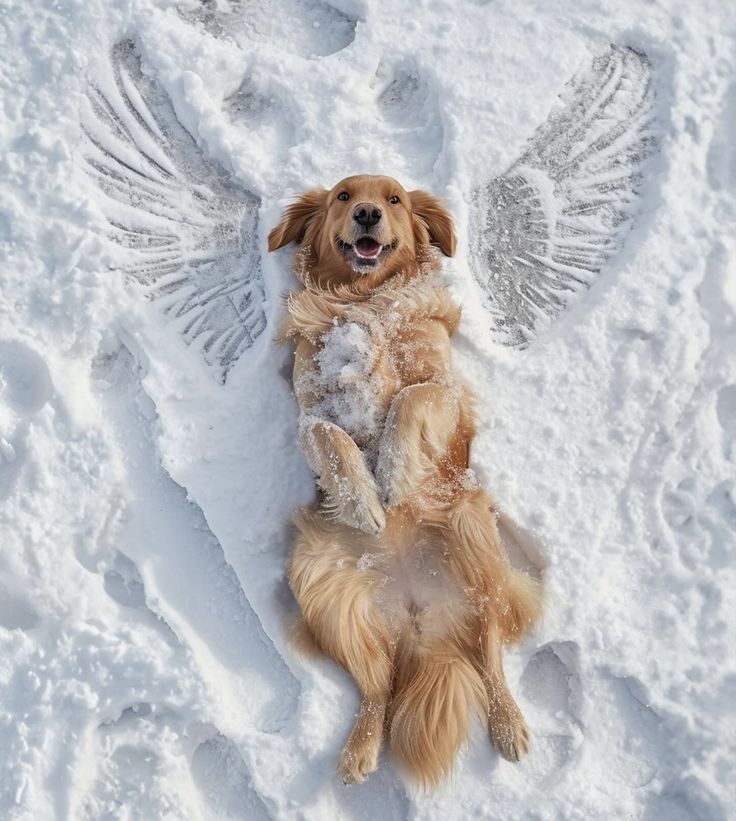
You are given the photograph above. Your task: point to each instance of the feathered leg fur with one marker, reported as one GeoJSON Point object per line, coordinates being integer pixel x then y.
{"type": "Point", "coordinates": [343, 618]}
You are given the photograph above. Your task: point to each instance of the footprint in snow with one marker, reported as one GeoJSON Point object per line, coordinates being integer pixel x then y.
{"type": "Point", "coordinates": [16, 611]}
{"type": "Point", "coordinates": [123, 582]}
{"type": "Point", "coordinates": [140, 756]}
{"type": "Point", "coordinates": [410, 107]}
{"type": "Point", "coordinates": [312, 28]}
{"type": "Point", "coordinates": [26, 382]}
{"type": "Point", "coordinates": [715, 291]}
{"type": "Point", "coordinates": [551, 687]}
{"type": "Point", "coordinates": [699, 510]}
{"type": "Point", "coordinates": [700, 519]}
{"type": "Point", "coordinates": [726, 414]}
{"type": "Point", "coordinates": [635, 740]}
{"type": "Point", "coordinates": [721, 159]}
{"type": "Point", "coordinates": [266, 118]}
{"type": "Point", "coordinates": [687, 800]}
{"type": "Point", "coordinates": [25, 387]}
{"type": "Point", "coordinates": [223, 780]}
{"type": "Point", "coordinates": [129, 764]}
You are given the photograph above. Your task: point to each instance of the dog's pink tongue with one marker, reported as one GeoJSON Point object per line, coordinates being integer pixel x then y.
{"type": "Point", "coordinates": [367, 248]}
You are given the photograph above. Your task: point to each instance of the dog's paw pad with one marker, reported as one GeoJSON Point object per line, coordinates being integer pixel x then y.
{"type": "Point", "coordinates": [357, 504]}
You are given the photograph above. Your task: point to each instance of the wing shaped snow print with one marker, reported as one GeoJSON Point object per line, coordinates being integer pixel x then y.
{"type": "Point", "coordinates": [184, 230]}
{"type": "Point", "coordinates": [542, 231]}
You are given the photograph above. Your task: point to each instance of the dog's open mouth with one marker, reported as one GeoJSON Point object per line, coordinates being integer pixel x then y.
{"type": "Point", "coordinates": [365, 251]}
{"type": "Point", "coordinates": [367, 248]}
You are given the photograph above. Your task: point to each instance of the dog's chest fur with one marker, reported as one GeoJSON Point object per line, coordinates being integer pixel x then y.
{"type": "Point", "coordinates": [364, 351]}
{"type": "Point", "coordinates": [356, 376]}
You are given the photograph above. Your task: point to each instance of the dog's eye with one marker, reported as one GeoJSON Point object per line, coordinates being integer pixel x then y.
{"type": "Point", "coordinates": [344, 196]}
{"type": "Point", "coordinates": [394, 200]}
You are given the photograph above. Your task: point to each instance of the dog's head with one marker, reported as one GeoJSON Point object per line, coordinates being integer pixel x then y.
{"type": "Point", "coordinates": [363, 231]}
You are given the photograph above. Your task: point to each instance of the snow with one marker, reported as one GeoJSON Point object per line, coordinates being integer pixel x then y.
{"type": "Point", "coordinates": [145, 670]}
{"type": "Point", "coordinates": [343, 378]}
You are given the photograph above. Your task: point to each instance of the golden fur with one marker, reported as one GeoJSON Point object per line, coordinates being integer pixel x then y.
{"type": "Point", "coordinates": [399, 573]}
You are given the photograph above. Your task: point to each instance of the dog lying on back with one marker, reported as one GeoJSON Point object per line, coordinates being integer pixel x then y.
{"type": "Point", "coordinates": [399, 573]}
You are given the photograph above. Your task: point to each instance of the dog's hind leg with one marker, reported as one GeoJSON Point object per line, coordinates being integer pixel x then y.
{"type": "Point", "coordinates": [359, 757]}
{"type": "Point", "coordinates": [506, 725]}
{"type": "Point", "coordinates": [424, 437]}
{"type": "Point", "coordinates": [338, 604]}
{"type": "Point", "coordinates": [509, 603]}
{"type": "Point", "coordinates": [364, 649]}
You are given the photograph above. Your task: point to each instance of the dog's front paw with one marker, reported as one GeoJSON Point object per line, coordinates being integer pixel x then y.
{"type": "Point", "coordinates": [365, 512]}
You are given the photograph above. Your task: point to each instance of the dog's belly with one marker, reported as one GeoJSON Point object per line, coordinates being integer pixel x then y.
{"type": "Point", "coordinates": [415, 588]}
{"type": "Point", "coordinates": [404, 577]}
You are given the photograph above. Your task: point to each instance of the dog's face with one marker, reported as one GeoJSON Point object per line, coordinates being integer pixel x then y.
{"type": "Point", "coordinates": [369, 218]}
{"type": "Point", "coordinates": [365, 227]}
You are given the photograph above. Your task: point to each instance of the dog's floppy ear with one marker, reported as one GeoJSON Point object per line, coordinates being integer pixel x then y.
{"type": "Point", "coordinates": [296, 218]}
{"type": "Point", "coordinates": [434, 221]}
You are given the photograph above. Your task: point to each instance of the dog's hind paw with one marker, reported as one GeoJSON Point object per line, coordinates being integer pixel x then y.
{"type": "Point", "coordinates": [510, 737]}
{"type": "Point", "coordinates": [357, 764]}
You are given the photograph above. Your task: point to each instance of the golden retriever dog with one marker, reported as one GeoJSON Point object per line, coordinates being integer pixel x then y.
{"type": "Point", "coordinates": [399, 572]}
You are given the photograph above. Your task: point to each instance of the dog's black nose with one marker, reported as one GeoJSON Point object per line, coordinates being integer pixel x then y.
{"type": "Point", "coordinates": [366, 214]}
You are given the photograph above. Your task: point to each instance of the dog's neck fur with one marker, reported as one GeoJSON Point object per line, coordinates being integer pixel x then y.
{"type": "Point", "coordinates": [313, 311]}
{"type": "Point", "coordinates": [331, 294]}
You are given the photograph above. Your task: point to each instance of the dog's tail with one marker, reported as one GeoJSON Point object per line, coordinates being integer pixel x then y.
{"type": "Point", "coordinates": [435, 694]}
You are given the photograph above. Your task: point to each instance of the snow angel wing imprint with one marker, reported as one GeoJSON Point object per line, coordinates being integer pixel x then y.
{"type": "Point", "coordinates": [543, 230]}
{"type": "Point", "coordinates": [184, 230]}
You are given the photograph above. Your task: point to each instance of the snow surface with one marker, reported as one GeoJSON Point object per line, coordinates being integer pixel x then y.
{"type": "Point", "coordinates": [144, 669]}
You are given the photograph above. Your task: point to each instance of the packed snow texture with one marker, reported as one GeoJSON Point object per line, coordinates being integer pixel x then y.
{"type": "Point", "coordinates": [148, 458]}
{"type": "Point", "coordinates": [342, 376]}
